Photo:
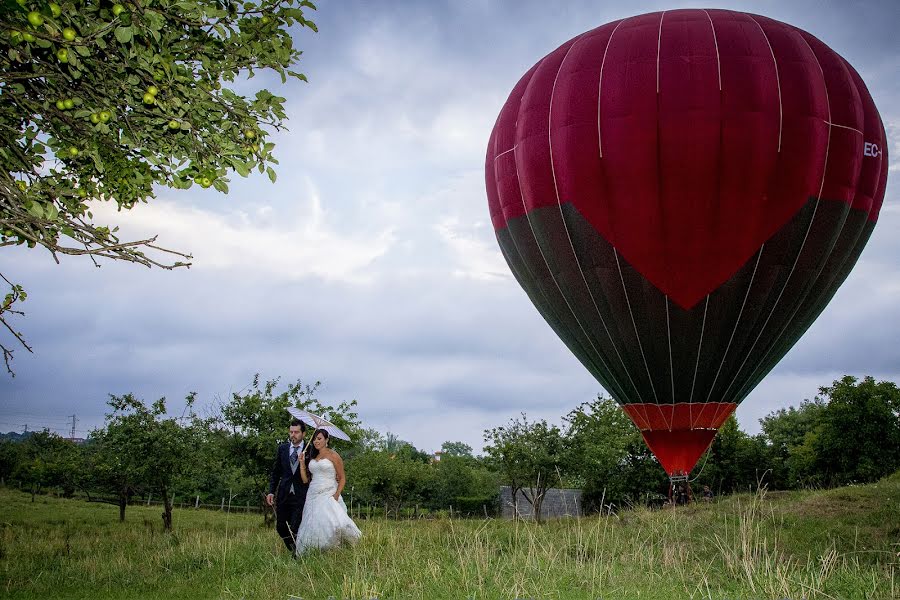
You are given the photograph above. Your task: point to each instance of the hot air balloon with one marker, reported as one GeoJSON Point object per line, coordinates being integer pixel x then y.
{"type": "Point", "coordinates": [680, 194]}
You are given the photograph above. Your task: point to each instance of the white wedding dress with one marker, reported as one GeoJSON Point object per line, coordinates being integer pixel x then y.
{"type": "Point", "coordinates": [325, 521]}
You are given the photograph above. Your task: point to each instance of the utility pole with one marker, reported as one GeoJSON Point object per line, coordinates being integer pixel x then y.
{"type": "Point", "coordinates": [72, 435]}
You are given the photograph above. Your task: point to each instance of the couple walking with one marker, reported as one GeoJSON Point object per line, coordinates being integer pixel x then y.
{"type": "Point", "coordinates": [305, 489]}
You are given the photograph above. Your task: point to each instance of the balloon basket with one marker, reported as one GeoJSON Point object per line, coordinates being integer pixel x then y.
{"type": "Point", "coordinates": [679, 489]}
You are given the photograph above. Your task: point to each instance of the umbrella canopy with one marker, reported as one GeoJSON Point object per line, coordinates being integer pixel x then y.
{"type": "Point", "coordinates": [318, 422]}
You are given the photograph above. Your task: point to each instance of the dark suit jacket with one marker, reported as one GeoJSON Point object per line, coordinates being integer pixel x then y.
{"type": "Point", "coordinates": [281, 478]}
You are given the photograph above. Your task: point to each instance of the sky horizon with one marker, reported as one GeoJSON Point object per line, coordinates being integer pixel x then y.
{"type": "Point", "coordinates": [371, 264]}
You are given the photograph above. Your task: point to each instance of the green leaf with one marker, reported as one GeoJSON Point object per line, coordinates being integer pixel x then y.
{"type": "Point", "coordinates": [36, 210]}
{"type": "Point", "coordinates": [271, 173]}
{"type": "Point", "coordinates": [124, 34]}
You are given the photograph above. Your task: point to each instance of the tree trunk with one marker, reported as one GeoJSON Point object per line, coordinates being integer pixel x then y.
{"type": "Point", "coordinates": [123, 502]}
{"type": "Point", "coordinates": [537, 504]}
{"type": "Point", "coordinates": [167, 510]}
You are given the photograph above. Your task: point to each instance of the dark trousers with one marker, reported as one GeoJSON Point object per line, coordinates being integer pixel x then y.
{"type": "Point", "coordinates": [288, 514]}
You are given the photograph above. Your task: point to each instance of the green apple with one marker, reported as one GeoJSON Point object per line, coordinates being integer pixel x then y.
{"type": "Point", "coordinates": [149, 98]}
{"type": "Point", "coordinates": [117, 10]}
{"type": "Point", "coordinates": [61, 105]}
{"type": "Point", "coordinates": [73, 151]}
{"type": "Point", "coordinates": [69, 34]}
{"type": "Point", "coordinates": [62, 55]}
{"type": "Point", "coordinates": [105, 116]}
{"type": "Point", "coordinates": [173, 124]}
{"type": "Point", "coordinates": [68, 103]}
{"type": "Point", "coordinates": [35, 18]}
{"type": "Point", "coordinates": [153, 90]}
{"type": "Point", "coordinates": [55, 10]}
{"type": "Point", "coordinates": [28, 37]}
{"type": "Point", "coordinates": [95, 118]}
{"type": "Point", "coordinates": [205, 182]}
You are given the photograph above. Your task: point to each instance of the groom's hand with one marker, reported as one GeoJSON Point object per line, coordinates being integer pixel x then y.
{"type": "Point", "coordinates": [270, 499]}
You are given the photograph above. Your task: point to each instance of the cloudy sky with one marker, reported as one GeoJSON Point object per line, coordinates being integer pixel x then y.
{"type": "Point", "coordinates": [371, 264]}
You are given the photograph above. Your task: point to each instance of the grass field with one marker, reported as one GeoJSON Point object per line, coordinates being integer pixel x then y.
{"type": "Point", "coordinates": [842, 543]}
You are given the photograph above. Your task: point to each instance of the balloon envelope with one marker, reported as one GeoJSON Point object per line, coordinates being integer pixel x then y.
{"type": "Point", "coordinates": [680, 194]}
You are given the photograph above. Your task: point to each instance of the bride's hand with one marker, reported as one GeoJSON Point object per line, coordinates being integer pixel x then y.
{"type": "Point", "coordinates": [337, 497]}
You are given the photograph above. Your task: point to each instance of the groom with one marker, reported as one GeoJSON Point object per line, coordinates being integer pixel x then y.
{"type": "Point", "coordinates": [287, 492]}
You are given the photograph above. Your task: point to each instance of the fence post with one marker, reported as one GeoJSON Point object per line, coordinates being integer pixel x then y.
{"type": "Point", "coordinates": [197, 502]}
{"type": "Point", "coordinates": [149, 495]}
{"type": "Point", "coordinates": [223, 505]}
{"type": "Point", "coordinates": [247, 508]}
{"type": "Point", "coordinates": [451, 511]}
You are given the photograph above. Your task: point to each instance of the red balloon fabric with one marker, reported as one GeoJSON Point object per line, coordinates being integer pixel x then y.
{"type": "Point", "coordinates": [680, 194]}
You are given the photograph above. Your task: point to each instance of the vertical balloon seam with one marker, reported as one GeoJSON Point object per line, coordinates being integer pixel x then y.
{"type": "Point", "coordinates": [756, 374]}
{"type": "Point", "coordinates": [538, 287]}
{"type": "Point", "coordinates": [562, 217]}
{"type": "Point", "coordinates": [777, 81]}
{"type": "Point", "coordinates": [634, 325]}
{"type": "Point", "coordinates": [721, 401]}
{"type": "Point", "coordinates": [697, 364]}
{"type": "Point", "coordinates": [600, 86]}
{"type": "Point", "coordinates": [671, 366]}
{"type": "Point", "coordinates": [662, 18]}
{"type": "Point", "coordinates": [587, 336]}
{"type": "Point", "coordinates": [569, 235]}
{"type": "Point", "coordinates": [808, 228]}
{"type": "Point", "coordinates": [737, 322]}
{"type": "Point", "coordinates": [718, 60]}
{"type": "Point", "coordinates": [530, 273]}
{"type": "Point", "coordinates": [658, 44]}
{"type": "Point", "coordinates": [712, 27]}
{"type": "Point", "coordinates": [662, 232]}
{"type": "Point", "coordinates": [789, 30]}
{"type": "Point", "coordinates": [642, 404]}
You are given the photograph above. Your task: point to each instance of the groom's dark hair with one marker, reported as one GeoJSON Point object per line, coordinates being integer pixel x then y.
{"type": "Point", "coordinates": [295, 422]}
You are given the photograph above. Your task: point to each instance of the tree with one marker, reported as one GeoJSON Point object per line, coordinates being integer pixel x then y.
{"type": "Point", "coordinates": [530, 457]}
{"type": "Point", "coordinates": [456, 449]}
{"type": "Point", "coordinates": [789, 433]}
{"type": "Point", "coordinates": [608, 456]}
{"type": "Point", "coordinates": [115, 460]}
{"type": "Point", "coordinates": [151, 447]}
{"type": "Point", "coordinates": [391, 480]}
{"type": "Point", "coordinates": [10, 456]}
{"type": "Point", "coordinates": [102, 101]}
{"type": "Point", "coordinates": [735, 461]}
{"type": "Point", "coordinates": [858, 436]}
{"type": "Point", "coordinates": [47, 460]}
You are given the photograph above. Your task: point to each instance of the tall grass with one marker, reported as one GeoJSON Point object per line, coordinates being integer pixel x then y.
{"type": "Point", "coordinates": [749, 546]}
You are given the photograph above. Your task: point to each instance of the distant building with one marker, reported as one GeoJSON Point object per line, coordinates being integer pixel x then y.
{"type": "Point", "coordinates": [557, 503]}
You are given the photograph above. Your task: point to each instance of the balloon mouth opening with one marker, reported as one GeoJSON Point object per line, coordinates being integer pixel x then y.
{"type": "Point", "coordinates": [679, 434]}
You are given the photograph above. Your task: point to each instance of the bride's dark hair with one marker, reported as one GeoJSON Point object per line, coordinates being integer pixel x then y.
{"type": "Point", "coordinates": [314, 452]}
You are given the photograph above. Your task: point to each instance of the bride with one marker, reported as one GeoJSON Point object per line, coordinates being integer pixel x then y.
{"type": "Point", "coordinates": [325, 521]}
